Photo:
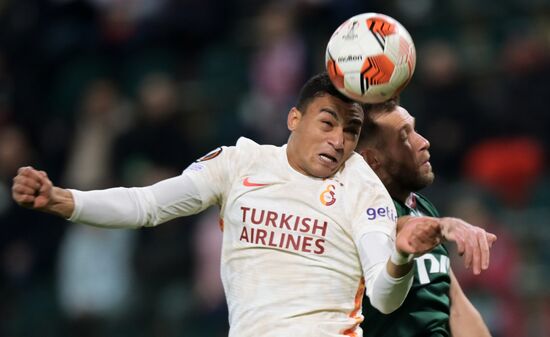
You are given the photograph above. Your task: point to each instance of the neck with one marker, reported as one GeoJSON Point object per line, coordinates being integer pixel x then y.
{"type": "Point", "coordinates": [398, 193]}
{"type": "Point", "coordinates": [291, 156]}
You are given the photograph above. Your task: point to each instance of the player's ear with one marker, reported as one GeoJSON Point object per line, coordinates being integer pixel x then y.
{"type": "Point", "coordinates": [293, 119]}
{"type": "Point", "coordinates": [371, 156]}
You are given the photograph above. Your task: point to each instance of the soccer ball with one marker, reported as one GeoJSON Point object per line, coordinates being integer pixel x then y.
{"type": "Point", "coordinates": [370, 58]}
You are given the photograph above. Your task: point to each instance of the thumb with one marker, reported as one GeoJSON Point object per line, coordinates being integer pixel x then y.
{"type": "Point", "coordinates": [491, 238]}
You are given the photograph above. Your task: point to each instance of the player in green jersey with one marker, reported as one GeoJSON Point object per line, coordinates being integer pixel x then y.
{"type": "Point", "coordinates": [435, 305]}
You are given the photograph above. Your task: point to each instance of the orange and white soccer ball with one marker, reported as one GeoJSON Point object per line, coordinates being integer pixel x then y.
{"type": "Point", "coordinates": [370, 58]}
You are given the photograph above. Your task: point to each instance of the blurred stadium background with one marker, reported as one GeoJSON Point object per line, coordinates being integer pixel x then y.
{"type": "Point", "coordinates": [126, 92]}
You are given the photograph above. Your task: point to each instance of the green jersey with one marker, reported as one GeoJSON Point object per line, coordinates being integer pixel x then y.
{"type": "Point", "coordinates": [425, 311]}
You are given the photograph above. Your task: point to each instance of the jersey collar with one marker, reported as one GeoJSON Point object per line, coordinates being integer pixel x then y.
{"type": "Point", "coordinates": [410, 202]}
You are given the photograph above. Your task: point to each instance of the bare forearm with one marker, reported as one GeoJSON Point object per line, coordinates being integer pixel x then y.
{"type": "Point", "coordinates": [62, 203]}
{"type": "Point", "coordinates": [34, 190]}
{"type": "Point", "coordinates": [467, 323]}
{"type": "Point", "coordinates": [465, 320]}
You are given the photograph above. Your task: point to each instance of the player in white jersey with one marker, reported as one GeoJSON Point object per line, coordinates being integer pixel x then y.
{"type": "Point", "coordinates": [301, 238]}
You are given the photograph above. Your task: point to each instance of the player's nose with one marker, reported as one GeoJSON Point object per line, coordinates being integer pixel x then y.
{"type": "Point", "coordinates": [336, 139]}
{"type": "Point", "coordinates": [424, 144]}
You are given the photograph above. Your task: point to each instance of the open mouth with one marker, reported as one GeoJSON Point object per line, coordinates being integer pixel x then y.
{"type": "Point", "coordinates": [328, 159]}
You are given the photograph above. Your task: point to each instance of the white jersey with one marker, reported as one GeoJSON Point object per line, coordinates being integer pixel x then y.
{"type": "Point", "coordinates": [290, 265]}
{"type": "Point", "coordinates": [290, 261]}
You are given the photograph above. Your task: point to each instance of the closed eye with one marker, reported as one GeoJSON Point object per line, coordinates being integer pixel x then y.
{"type": "Point", "coordinates": [353, 130]}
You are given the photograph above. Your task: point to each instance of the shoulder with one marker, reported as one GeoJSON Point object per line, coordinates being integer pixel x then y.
{"type": "Point", "coordinates": [357, 169]}
{"type": "Point", "coordinates": [249, 147]}
{"type": "Point", "coordinates": [230, 158]}
{"type": "Point", "coordinates": [361, 182]}
{"type": "Point", "coordinates": [367, 202]}
{"type": "Point", "coordinates": [247, 155]}
{"type": "Point", "coordinates": [357, 174]}
{"type": "Point", "coordinates": [244, 143]}
{"type": "Point", "coordinates": [244, 150]}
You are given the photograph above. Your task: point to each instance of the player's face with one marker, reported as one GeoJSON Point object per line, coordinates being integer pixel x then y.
{"type": "Point", "coordinates": [405, 156]}
{"type": "Point", "coordinates": [324, 136]}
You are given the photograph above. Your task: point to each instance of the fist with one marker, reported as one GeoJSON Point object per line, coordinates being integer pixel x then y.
{"type": "Point", "coordinates": [32, 188]}
{"type": "Point", "coordinates": [418, 235]}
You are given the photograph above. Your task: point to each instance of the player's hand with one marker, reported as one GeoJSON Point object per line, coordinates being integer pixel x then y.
{"type": "Point", "coordinates": [418, 235]}
{"type": "Point", "coordinates": [473, 243]}
{"type": "Point", "coordinates": [32, 188]}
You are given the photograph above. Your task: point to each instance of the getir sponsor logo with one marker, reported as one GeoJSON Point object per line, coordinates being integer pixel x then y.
{"type": "Point", "coordinates": [380, 212]}
{"type": "Point", "coordinates": [282, 230]}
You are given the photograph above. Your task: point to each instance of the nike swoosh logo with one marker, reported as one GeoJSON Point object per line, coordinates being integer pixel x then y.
{"type": "Point", "coordinates": [248, 183]}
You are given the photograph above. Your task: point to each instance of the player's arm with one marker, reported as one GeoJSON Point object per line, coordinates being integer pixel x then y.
{"type": "Point", "coordinates": [473, 243]}
{"type": "Point", "coordinates": [388, 264]}
{"type": "Point", "coordinates": [33, 189]}
{"type": "Point", "coordinates": [115, 207]}
{"type": "Point", "coordinates": [465, 320]}
{"type": "Point", "coordinates": [415, 236]}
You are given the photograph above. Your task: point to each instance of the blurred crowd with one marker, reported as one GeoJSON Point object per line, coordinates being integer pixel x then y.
{"type": "Point", "coordinates": [103, 93]}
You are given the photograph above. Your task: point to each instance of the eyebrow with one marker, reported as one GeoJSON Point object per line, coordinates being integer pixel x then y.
{"type": "Point", "coordinates": [354, 121]}
{"type": "Point", "coordinates": [330, 112]}
{"type": "Point", "coordinates": [407, 125]}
